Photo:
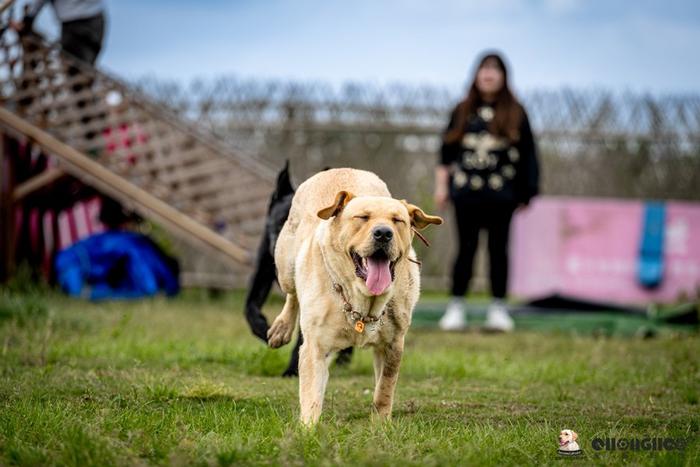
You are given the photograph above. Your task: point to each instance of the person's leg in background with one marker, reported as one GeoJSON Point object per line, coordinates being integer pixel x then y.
{"type": "Point", "coordinates": [498, 225]}
{"type": "Point", "coordinates": [468, 225]}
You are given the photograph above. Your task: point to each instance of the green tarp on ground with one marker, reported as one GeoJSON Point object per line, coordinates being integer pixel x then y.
{"type": "Point", "coordinates": [681, 319]}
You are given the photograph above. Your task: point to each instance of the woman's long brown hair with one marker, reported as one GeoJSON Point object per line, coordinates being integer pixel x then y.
{"type": "Point", "coordinates": [508, 113]}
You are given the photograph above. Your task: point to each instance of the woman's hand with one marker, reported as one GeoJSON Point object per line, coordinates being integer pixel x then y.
{"type": "Point", "coordinates": [522, 207]}
{"type": "Point", "coordinates": [441, 198]}
{"type": "Point", "coordinates": [442, 181]}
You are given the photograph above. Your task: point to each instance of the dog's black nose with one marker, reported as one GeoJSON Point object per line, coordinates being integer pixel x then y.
{"type": "Point", "coordinates": [382, 234]}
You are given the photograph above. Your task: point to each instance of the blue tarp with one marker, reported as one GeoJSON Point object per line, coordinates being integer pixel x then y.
{"type": "Point", "coordinates": [650, 266]}
{"type": "Point", "coordinates": [115, 265]}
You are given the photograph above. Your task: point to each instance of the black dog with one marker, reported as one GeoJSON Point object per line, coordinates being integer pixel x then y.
{"type": "Point", "coordinates": [265, 273]}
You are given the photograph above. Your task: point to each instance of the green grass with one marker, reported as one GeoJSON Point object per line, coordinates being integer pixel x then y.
{"type": "Point", "coordinates": [184, 382]}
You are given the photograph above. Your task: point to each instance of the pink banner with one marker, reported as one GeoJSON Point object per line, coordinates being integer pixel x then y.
{"type": "Point", "coordinates": [589, 248]}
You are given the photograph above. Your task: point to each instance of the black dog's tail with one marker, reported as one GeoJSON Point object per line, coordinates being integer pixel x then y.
{"type": "Point", "coordinates": [265, 275]}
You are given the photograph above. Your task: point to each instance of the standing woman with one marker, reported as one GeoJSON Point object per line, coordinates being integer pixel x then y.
{"type": "Point", "coordinates": [488, 168]}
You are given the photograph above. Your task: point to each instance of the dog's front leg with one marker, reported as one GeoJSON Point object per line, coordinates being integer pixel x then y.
{"type": "Point", "coordinates": [280, 333]}
{"type": "Point", "coordinates": [387, 360]}
{"type": "Point", "coordinates": [260, 285]}
{"type": "Point", "coordinates": [313, 377]}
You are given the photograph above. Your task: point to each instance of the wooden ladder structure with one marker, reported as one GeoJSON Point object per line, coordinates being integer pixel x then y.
{"type": "Point", "coordinates": [113, 138]}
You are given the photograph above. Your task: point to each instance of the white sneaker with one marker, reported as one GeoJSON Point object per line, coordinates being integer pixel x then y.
{"type": "Point", "coordinates": [454, 318]}
{"type": "Point", "coordinates": [498, 319]}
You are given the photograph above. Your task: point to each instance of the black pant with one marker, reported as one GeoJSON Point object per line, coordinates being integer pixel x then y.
{"type": "Point", "coordinates": [82, 38]}
{"type": "Point", "coordinates": [471, 218]}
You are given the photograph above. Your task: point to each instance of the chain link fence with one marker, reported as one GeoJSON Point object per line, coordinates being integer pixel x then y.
{"type": "Point", "coordinates": [591, 142]}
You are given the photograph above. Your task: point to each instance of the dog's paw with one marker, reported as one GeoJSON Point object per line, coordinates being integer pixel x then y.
{"type": "Point", "coordinates": [279, 334]}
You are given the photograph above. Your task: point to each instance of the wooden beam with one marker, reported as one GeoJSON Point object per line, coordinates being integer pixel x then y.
{"type": "Point", "coordinates": [94, 174]}
{"type": "Point", "coordinates": [36, 182]}
{"type": "Point", "coordinates": [5, 5]}
{"type": "Point", "coordinates": [7, 214]}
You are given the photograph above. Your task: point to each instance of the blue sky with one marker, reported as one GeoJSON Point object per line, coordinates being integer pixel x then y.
{"type": "Point", "coordinates": [620, 45]}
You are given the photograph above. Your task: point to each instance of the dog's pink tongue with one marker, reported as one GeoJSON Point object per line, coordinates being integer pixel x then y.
{"type": "Point", "coordinates": [378, 275]}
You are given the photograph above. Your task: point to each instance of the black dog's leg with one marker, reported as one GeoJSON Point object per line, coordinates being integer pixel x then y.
{"type": "Point", "coordinates": [344, 357]}
{"type": "Point", "coordinates": [293, 368]}
{"type": "Point", "coordinates": [265, 274]}
{"type": "Point", "coordinates": [259, 289]}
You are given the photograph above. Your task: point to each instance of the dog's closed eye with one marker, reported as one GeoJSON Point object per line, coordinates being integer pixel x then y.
{"type": "Point", "coordinates": [363, 217]}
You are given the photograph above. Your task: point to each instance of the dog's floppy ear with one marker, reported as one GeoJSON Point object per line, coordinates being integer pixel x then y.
{"type": "Point", "coordinates": [419, 219]}
{"type": "Point", "coordinates": [341, 199]}
{"type": "Point", "coordinates": [574, 435]}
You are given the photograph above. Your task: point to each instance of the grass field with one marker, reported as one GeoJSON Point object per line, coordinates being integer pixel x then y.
{"type": "Point", "coordinates": [183, 382]}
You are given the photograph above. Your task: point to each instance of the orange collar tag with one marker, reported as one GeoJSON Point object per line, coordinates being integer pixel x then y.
{"type": "Point", "coordinates": [359, 326]}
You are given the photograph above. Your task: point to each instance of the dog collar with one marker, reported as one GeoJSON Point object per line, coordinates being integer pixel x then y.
{"type": "Point", "coordinates": [355, 316]}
